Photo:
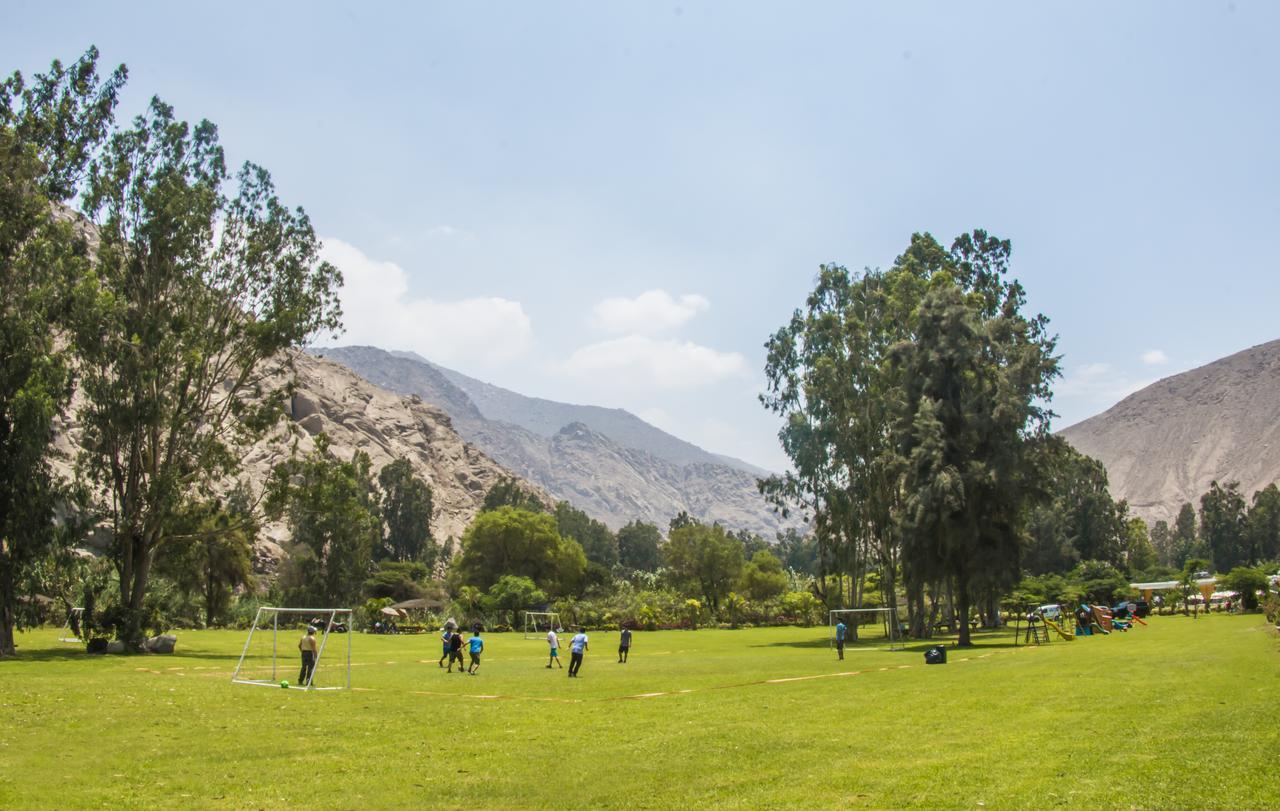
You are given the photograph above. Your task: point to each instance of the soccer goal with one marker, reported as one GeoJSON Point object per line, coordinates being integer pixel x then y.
{"type": "Point", "coordinates": [71, 629]}
{"type": "Point", "coordinates": [271, 657]}
{"type": "Point", "coordinates": [874, 625]}
{"type": "Point", "coordinates": [537, 623]}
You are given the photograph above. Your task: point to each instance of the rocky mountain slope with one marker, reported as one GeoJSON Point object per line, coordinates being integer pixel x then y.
{"type": "Point", "coordinates": [606, 462]}
{"type": "Point", "coordinates": [357, 415]}
{"type": "Point", "coordinates": [1165, 444]}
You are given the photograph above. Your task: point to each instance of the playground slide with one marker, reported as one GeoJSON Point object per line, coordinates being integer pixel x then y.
{"type": "Point", "coordinates": [1067, 635]}
{"type": "Point", "coordinates": [1138, 619]}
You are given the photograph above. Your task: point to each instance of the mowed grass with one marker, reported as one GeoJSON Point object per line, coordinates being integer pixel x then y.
{"type": "Point", "coordinates": [1182, 713]}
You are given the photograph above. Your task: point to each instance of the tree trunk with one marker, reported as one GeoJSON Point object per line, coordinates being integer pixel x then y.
{"type": "Point", "coordinates": [8, 612]}
{"type": "Point", "coordinates": [961, 596]}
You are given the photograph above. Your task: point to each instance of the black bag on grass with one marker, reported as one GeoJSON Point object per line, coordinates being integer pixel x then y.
{"type": "Point", "coordinates": [937, 655]}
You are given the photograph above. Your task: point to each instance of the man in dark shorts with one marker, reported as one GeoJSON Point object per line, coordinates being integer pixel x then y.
{"type": "Point", "coordinates": [624, 646]}
{"type": "Point", "coordinates": [841, 631]}
{"type": "Point", "coordinates": [455, 651]}
{"type": "Point", "coordinates": [476, 646]}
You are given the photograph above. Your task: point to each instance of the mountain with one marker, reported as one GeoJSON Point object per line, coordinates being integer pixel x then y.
{"type": "Point", "coordinates": [1165, 444]}
{"type": "Point", "coordinates": [357, 415]}
{"type": "Point", "coordinates": [547, 417]}
{"type": "Point", "coordinates": [607, 462]}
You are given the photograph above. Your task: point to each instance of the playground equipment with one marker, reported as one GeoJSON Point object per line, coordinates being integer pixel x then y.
{"type": "Point", "coordinates": [1038, 625]}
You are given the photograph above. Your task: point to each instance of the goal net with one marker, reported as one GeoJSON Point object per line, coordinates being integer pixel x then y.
{"type": "Point", "coordinates": [71, 628]}
{"type": "Point", "coordinates": [272, 657]}
{"type": "Point", "coordinates": [537, 623]}
{"type": "Point", "coordinates": [877, 626]}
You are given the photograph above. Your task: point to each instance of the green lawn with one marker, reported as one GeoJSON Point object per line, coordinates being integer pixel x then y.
{"type": "Point", "coordinates": [1182, 713]}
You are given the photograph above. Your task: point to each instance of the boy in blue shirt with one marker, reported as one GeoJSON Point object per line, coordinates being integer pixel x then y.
{"type": "Point", "coordinates": [577, 647]}
{"type": "Point", "coordinates": [476, 646]}
{"type": "Point", "coordinates": [841, 630]}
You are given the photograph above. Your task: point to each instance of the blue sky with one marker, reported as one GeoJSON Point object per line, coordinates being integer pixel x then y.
{"type": "Point", "coordinates": [617, 203]}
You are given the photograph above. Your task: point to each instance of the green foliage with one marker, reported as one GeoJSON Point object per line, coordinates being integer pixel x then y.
{"type": "Point", "coordinates": [599, 544]}
{"type": "Point", "coordinates": [1162, 540]}
{"type": "Point", "coordinates": [398, 580]}
{"type": "Point", "coordinates": [208, 551]}
{"type": "Point", "coordinates": [638, 546]}
{"type": "Point", "coordinates": [513, 541]}
{"type": "Point", "coordinates": [331, 507]}
{"type": "Point", "coordinates": [49, 132]}
{"type": "Point", "coordinates": [508, 493]}
{"type": "Point", "coordinates": [1100, 582]}
{"type": "Point", "coordinates": [1139, 552]}
{"type": "Point", "coordinates": [913, 407]}
{"type": "Point", "coordinates": [1186, 540]}
{"type": "Point", "coordinates": [763, 577]}
{"type": "Point", "coordinates": [512, 594]}
{"type": "Point", "coordinates": [196, 289]}
{"type": "Point", "coordinates": [1262, 525]}
{"type": "Point", "coordinates": [1222, 525]}
{"type": "Point", "coordinates": [799, 553]}
{"type": "Point", "coordinates": [1081, 521]}
{"type": "Point", "coordinates": [406, 516]}
{"type": "Point", "coordinates": [704, 561]}
{"type": "Point", "coordinates": [1248, 583]}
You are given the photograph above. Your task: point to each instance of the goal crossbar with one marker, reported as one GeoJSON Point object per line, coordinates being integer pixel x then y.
{"type": "Point", "coordinates": [886, 616]}
{"type": "Point", "coordinates": [330, 616]}
{"type": "Point", "coordinates": [531, 626]}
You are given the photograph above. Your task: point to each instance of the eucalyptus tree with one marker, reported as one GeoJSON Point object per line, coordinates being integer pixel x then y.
{"type": "Point", "coordinates": [198, 290]}
{"type": "Point", "coordinates": [971, 424]}
{"type": "Point", "coordinates": [406, 509]}
{"type": "Point", "coordinates": [50, 129]}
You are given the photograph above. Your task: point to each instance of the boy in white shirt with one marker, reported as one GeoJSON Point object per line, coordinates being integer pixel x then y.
{"type": "Point", "coordinates": [554, 642]}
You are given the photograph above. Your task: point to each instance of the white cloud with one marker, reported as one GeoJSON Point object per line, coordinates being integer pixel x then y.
{"type": "Point", "coordinates": [378, 310]}
{"type": "Point", "coordinates": [637, 361]}
{"type": "Point", "coordinates": [1154, 357]}
{"type": "Point", "coordinates": [651, 312]}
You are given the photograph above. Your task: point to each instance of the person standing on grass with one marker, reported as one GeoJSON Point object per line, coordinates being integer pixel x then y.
{"type": "Point", "coordinates": [444, 639]}
{"type": "Point", "coordinates": [455, 651]}
{"type": "Point", "coordinates": [475, 647]}
{"type": "Point", "coordinates": [624, 646]}
{"type": "Point", "coordinates": [841, 631]}
{"type": "Point", "coordinates": [309, 648]}
{"type": "Point", "coordinates": [554, 642]}
{"type": "Point", "coordinates": [577, 647]}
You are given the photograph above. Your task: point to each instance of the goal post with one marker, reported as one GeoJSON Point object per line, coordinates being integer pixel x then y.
{"type": "Point", "coordinates": [858, 619]}
{"type": "Point", "coordinates": [270, 651]}
{"type": "Point", "coordinates": [537, 623]}
{"type": "Point", "coordinates": [72, 628]}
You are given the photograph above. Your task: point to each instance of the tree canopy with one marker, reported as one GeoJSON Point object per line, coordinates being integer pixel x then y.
{"type": "Point", "coordinates": [513, 541]}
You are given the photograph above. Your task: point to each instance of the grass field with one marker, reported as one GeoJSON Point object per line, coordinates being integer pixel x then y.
{"type": "Point", "coordinates": [1182, 713]}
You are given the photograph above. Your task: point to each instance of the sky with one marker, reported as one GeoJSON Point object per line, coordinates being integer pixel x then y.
{"type": "Point", "coordinates": [618, 203]}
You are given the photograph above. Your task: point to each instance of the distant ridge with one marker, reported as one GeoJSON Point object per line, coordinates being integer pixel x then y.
{"type": "Point", "coordinates": [1163, 446]}
{"type": "Point", "coordinates": [607, 462]}
{"type": "Point", "coordinates": [547, 417]}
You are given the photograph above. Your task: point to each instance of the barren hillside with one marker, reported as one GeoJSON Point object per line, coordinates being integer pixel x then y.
{"type": "Point", "coordinates": [1163, 445]}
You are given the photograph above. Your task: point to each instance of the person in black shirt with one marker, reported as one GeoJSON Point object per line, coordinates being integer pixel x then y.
{"type": "Point", "coordinates": [624, 646]}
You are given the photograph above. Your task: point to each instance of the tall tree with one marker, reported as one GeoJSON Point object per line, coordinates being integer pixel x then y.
{"type": "Point", "coordinates": [49, 131]}
{"type": "Point", "coordinates": [638, 546]}
{"type": "Point", "coordinates": [196, 296]}
{"type": "Point", "coordinates": [209, 553]}
{"type": "Point", "coordinates": [597, 541]}
{"type": "Point", "coordinates": [1222, 525]}
{"type": "Point", "coordinates": [1140, 555]}
{"type": "Point", "coordinates": [1186, 539]}
{"type": "Point", "coordinates": [704, 560]}
{"type": "Point", "coordinates": [1162, 540]}
{"type": "Point", "coordinates": [1081, 521]}
{"type": "Point", "coordinates": [1262, 526]}
{"type": "Point", "coordinates": [971, 424]}
{"type": "Point", "coordinates": [406, 516]}
{"type": "Point", "coordinates": [331, 506]}
{"type": "Point", "coordinates": [508, 492]}
{"type": "Point", "coordinates": [523, 543]}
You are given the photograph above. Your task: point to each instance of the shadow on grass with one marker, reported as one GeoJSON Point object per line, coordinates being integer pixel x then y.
{"type": "Point", "coordinates": [78, 654]}
{"type": "Point", "coordinates": [982, 640]}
